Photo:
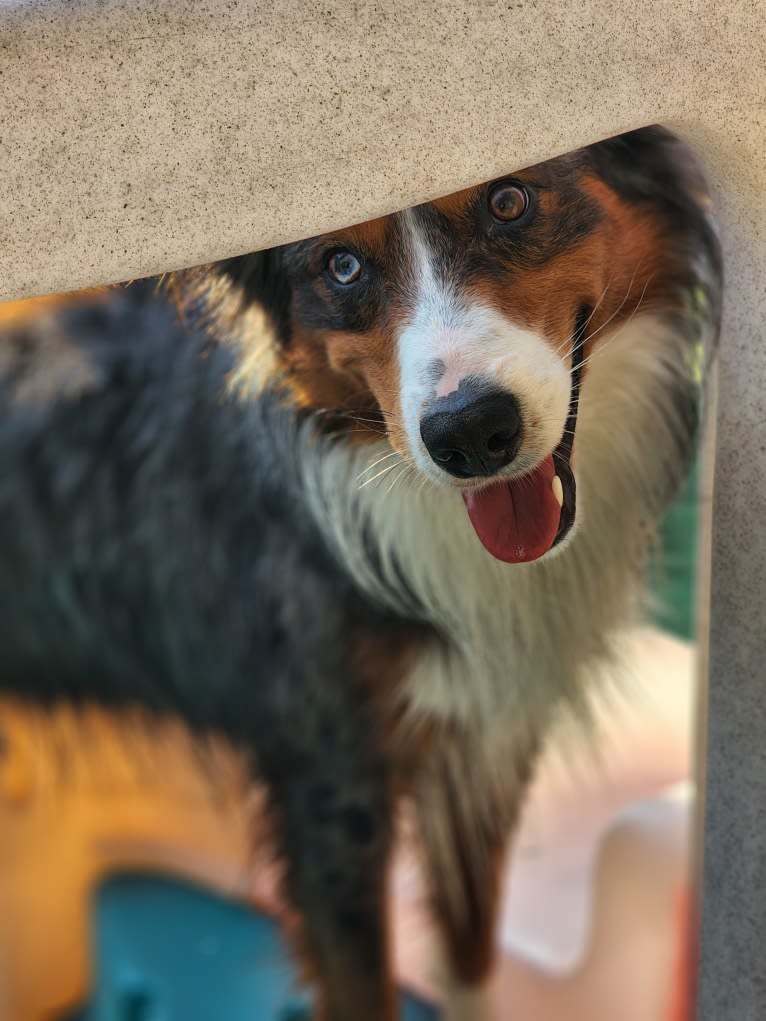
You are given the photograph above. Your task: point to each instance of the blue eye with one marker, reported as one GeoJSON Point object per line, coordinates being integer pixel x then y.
{"type": "Point", "coordinates": [344, 267]}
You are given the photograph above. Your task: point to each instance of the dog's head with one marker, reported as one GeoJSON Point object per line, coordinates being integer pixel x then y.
{"type": "Point", "coordinates": [462, 328]}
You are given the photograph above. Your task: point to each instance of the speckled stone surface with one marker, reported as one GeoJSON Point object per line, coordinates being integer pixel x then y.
{"type": "Point", "coordinates": [143, 136]}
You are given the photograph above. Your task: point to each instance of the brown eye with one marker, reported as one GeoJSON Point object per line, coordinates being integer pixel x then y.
{"type": "Point", "coordinates": [344, 267]}
{"type": "Point", "coordinates": [508, 201]}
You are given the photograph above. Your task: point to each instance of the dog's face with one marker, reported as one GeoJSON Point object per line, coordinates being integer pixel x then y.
{"type": "Point", "coordinates": [462, 327]}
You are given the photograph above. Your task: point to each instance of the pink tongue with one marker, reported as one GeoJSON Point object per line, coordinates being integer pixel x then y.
{"type": "Point", "coordinates": [516, 520]}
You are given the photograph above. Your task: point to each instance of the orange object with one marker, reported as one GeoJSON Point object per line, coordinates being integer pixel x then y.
{"type": "Point", "coordinates": [79, 800]}
{"type": "Point", "coordinates": [17, 313]}
{"type": "Point", "coordinates": [683, 997]}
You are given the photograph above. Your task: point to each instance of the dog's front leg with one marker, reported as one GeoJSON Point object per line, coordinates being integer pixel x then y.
{"type": "Point", "coordinates": [468, 796]}
{"type": "Point", "coordinates": [332, 816]}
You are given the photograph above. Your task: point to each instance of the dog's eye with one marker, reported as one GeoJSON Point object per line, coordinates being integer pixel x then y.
{"type": "Point", "coordinates": [344, 267]}
{"type": "Point", "coordinates": [508, 201]}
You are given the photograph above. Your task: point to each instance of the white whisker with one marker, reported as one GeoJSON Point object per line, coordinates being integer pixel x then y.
{"type": "Point", "coordinates": [376, 462]}
{"type": "Point", "coordinates": [383, 471]}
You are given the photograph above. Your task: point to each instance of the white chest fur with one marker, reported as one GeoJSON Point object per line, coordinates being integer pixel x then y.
{"type": "Point", "coordinates": [517, 638]}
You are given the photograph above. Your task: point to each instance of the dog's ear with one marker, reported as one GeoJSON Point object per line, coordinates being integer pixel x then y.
{"type": "Point", "coordinates": [651, 163]}
{"type": "Point", "coordinates": [261, 279]}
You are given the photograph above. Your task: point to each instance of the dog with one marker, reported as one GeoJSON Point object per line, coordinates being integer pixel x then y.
{"type": "Point", "coordinates": [374, 505]}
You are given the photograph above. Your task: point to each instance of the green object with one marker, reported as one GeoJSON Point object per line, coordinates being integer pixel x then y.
{"type": "Point", "coordinates": [672, 571]}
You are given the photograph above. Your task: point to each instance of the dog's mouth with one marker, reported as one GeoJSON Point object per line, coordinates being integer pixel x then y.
{"type": "Point", "coordinates": [521, 519]}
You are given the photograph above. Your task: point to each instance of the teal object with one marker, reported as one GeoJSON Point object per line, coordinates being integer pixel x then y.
{"type": "Point", "coordinates": [672, 570]}
{"type": "Point", "coordinates": [166, 950]}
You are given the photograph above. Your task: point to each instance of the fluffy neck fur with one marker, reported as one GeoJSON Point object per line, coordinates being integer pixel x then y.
{"type": "Point", "coordinates": [515, 640]}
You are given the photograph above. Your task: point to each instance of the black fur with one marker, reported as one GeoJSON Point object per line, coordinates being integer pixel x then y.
{"type": "Point", "coordinates": [155, 549]}
{"type": "Point", "coordinates": [260, 279]}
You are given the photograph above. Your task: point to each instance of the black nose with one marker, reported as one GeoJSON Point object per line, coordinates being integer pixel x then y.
{"type": "Point", "coordinates": [473, 431]}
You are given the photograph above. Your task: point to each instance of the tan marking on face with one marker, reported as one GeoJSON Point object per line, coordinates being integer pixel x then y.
{"type": "Point", "coordinates": [613, 268]}
{"type": "Point", "coordinates": [369, 237]}
{"type": "Point", "coordinates": [355, 374]}
{"type": "Point", "coordinates": [324, 378]}
{"type": "Point", "coordinates": [454, 206]}
{"type": "Point", "coordinates": [632, 250]}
